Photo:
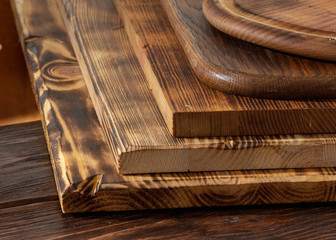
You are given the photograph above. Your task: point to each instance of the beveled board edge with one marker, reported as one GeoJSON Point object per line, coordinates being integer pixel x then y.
{"type": "Point", "coordinates": [280, 37]}
{"type": "Point", "coordinates": [242, 83]}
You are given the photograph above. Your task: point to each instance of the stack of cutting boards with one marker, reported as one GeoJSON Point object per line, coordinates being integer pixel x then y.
{"type": "Point", "coordinates": [146, 105]}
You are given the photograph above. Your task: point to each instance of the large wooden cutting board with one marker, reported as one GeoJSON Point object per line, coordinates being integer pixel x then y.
{"type": "Point", "coordinates": [238, 67]}
{"type": "Point", "coordinates": [302, 27]}
{"type": "Point", "coordinates": [137, 134]}
{"type": "Point", "coordinates": [192, 109]}
{"type": "Point", "coordinates": [85, 174]}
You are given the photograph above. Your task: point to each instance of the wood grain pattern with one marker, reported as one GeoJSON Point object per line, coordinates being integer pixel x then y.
{"type": "Point", "coordinates": [25, 173]}
{"type": "Point", "coordinates": [302, 27]}
{"type": "Point", "coordinates": [88, 183]}
{"type": "Point", "coordinates": [72, 131]}
{"type": "Point", "coordinates": [137, 134]}
{"type": "Point", "coordinates": [28, 215]}
{"type": "Point", "coordinates": [17, 103]}
{"type": "Point", "coordinates": [191, 108]}
{"type": "Point", "coordinates": [43, 220]}
{"type": "Point", "coordinates": [238, 67]}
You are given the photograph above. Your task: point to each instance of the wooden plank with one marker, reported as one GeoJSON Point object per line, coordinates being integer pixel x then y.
{"type": "Point", "coordinates": [25, 173]}
{"type": "Point", "coordinates": [138, 136]}
{"type": "Point", "coordinates": [190, 108]}
{"type": "Point", "coordinates": [86, 176]}
{"type": "Point", "coordinates": [238, 67]}
{"type": "Point", "coordinates": [17, 103]}
{"type": "Point", "coordinates": [301, 27]}
{"type": "Point", "coordinates": [44, 221]}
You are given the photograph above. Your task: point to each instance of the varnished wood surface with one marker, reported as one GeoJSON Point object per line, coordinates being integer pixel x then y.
{"type": "Point", "coordinates": [27, 215]}
{"type": "Point", "coordinates": [299, 27]}
{"type": "Point", "coordinates": [238, 67]}
{"type": "Point", "coordinates": [189, 107]}
{"type": "Point", "coordinates": [17, 103]}
{"type": "Point", "coordinates": [87, 181]}
{"type": "Point", "coordinates": [132, 122]}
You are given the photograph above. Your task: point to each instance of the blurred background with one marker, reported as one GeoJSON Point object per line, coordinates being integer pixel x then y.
{"type": "Point", "coordinates": [17, 103]}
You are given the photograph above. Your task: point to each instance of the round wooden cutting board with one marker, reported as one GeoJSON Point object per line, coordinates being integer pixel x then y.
{"type": "Point", "coordinates": [302, 27]}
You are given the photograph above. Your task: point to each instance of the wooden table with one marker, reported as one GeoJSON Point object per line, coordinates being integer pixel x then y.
{"type": "Point", "coordinates": [29, 207]}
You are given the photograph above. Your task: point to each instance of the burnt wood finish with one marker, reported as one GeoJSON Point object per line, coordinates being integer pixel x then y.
{"type": "Point", "coordinates": [192, 109]}
{"type": "Point", "coordinates": [86, 177]}
{"type": "Point", "coordinates": [137, 134]}
{"type": "Point", "coordinates": [238, 67]}
{"type": "Point", "coordinates": [299, 27]}
{"type": "Point", "coordinates": [32, 212]}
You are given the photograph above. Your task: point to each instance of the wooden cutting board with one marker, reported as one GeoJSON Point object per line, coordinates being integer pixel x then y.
{"type": "Point", "coordinates": [192, 109]}
{"type": "Point", "coordinates": [303, 27]}
{"type": "Point", "coordinates": [87, 178]}
{"type": "Point", "coordinates": [134, 126]}
{"type": "Point", "coordinates": [242, 68]}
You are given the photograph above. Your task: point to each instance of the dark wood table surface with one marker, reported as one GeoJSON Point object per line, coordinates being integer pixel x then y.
{"type": "Point", "coordinates": [29, 207]}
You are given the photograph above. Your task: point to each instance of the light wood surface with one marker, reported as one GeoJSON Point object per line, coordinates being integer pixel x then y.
{"type": "Point", "coordinates": [86, 177]}
{"type": "Point", "coordinates": [302, 27]}
{"type": "Point", "coordinates": [238, 67]}
{"type": "Point", "coordinates": [137, 134]}
{"type": "Point", "coordinates": [29, 208]}
{"type": "Point", "coordinates": [192, 109]}
{"type": "Point", "coordinates": [17, 103]}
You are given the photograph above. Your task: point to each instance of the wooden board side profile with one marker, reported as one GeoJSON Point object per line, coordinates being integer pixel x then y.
{"type": "Point", "coordinates": [192, 109]}
{"type": "Point", "coordinates": [137, 134]}
{"type": "Point", "coordinates": [242, 68]}
{"type": "Point", "coordinates": [298, 27]}
{"type": "Point", "coordinates": [87, 181]}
